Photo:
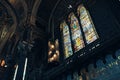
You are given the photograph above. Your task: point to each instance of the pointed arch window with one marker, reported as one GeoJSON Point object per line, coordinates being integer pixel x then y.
{"type": "Point", "coordinates": [87, 25]}
{"type": "Point", "coordinates": [80, 34]}
{"type": "Point", "coordinates": [77, 38]}
{"type": "Point", "coordinates": [66, 39]}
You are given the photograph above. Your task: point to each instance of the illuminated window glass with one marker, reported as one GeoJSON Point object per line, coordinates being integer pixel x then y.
{"type": "Point", "coordinates": [66, 40]}
{"type": "Point", "coordinates": [57, 49]}
{"type": "Point", "coordinates": [87, 25]}
{"type": "Point", "coordinates": [77, 38]}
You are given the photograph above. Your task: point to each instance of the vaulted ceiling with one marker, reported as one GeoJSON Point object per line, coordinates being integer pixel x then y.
{"type": "Point", "coordinates": [46, 9]}
{"type": "Point", "coordinates": [53, 8]}
{"type": "Point", "coordinates": [56, 9]}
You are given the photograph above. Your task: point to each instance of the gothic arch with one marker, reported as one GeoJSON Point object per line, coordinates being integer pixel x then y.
{"type": "Point", "coordinates": [12, 29]}
{"type": "Point", "coordinates": [34, 11]}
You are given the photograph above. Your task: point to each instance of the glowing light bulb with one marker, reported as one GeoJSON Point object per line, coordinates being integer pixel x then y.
{"type": "Point", "coordinates": [54, 55]}
{"type": "Point", "coordinates": [70, 6]}
{"type": "Point", "coordinates": [52, 46]}
{"type": "Point", "coordinates": [3, 63]}
{"type": "Point", "coordinates": [57, 52]}
{"type": "Point", "coordinates": [52, 59]}
{"type": "Point", "coordinates": [50, 52]}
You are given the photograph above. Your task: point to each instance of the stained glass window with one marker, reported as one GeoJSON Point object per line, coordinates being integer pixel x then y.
{"type": "Point", "coordinates": [77, 38]}
{"type": "Point", "coordinates": [66, 40]}
{"type": "Point", "coordinates": [87, 25]}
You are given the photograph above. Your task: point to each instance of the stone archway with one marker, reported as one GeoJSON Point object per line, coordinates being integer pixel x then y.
{"type": "Point", "coordinates": [34, 11]}
{"type": "Point", "coordinates": [12, 28]}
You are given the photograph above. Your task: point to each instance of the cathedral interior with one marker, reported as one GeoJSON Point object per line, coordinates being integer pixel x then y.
{"type": "Point", "coordinates": [59, 39]}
